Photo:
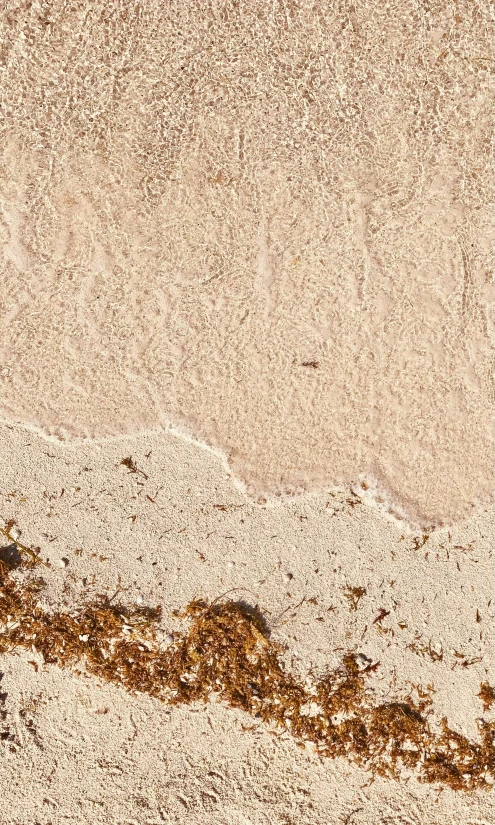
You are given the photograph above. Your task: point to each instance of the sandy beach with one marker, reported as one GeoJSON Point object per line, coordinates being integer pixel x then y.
{"type": "Point", "coordinates": [92, 752]}
{"type": "Point", "coordinates": [246, 359]}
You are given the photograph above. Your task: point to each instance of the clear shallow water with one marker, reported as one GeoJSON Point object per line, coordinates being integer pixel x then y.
{"type": "Point", "coordinates": [260, 236]}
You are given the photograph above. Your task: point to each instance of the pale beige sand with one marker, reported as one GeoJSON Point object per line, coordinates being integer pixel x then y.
{"type": "Point", "coordinates": [80, 751]}
{"type": "Point", "coordinates": [268, 225]}
{"type": "Point", "coordinates": [199, 199]}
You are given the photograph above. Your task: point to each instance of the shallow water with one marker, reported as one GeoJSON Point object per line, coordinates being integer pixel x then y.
{"type": "Point", "coordinates": [238, 223]}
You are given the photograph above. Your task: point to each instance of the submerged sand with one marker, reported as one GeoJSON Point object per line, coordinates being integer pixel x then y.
{"type": "Point", "coordinates": [269, 224]}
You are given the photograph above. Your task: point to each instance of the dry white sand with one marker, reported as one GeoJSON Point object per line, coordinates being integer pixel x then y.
{"type": "Point", "coordinates": [268, 225]}
{"type": "Point", "coordinates": [80, 751]}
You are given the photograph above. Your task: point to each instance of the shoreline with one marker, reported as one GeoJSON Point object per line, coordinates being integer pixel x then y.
{"type": "Point", "coordinates": [365, 487]}
{"type": "Point", "coordinates": [183, 532]}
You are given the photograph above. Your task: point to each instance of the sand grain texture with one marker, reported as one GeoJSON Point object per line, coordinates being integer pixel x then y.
{"type": "Point", "coordinates": [98, 754]}
{"type": "Point", "coordinates": [197, 202]}
{"type": "Point", "coordinates": [248, 248]}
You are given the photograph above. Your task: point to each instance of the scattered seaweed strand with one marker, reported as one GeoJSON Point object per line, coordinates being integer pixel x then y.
{"type": "Point", "coordinates": [227, 651]}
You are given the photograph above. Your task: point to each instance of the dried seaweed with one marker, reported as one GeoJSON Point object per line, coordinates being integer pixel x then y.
{"type": "Point", "coordinates": [227, 651]}
{"type": "Point", "coordinates": [132, 467]}
{"type": "Point", "coordinates": [354, 596]}
{"type": "Point", "coordinates": [487, 695]}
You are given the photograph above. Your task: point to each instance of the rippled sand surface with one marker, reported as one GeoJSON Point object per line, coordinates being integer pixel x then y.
{"type": "Point", "coordinates": [269, 223]}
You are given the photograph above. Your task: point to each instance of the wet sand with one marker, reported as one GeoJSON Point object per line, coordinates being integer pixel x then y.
{"type": "Point", "coordinates": [270, 225]}
{"type": "Point", "coordinates": [250, 246]}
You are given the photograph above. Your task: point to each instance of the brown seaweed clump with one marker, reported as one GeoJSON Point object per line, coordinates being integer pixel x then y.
{"type": "Point", "coordinates": [227, 651]}
{"type": "Point", "coordinates": [487, 695]}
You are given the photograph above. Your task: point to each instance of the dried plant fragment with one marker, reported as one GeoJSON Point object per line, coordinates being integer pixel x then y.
{"type": "Point", "coordinates": [132, 467]}
{"type": "Point", "coordinates": [227, 651]}
{"type": "Point", "coordinates": [354, 596]}
{"type": "Point", "coordinates": [487, 695]}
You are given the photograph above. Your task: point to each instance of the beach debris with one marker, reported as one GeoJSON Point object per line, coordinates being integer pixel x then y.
{"type": "Point", "coordinates": [487, 695]}
{"type": "Point", "coordinates": [131, 466]}
{"type": "Point", "coordinates": [354, 596]}
{"type": "Point", "coordinates": [381, 615]}
{"type": "Point", "coordinates": [226, 654]}
{"type": "Point", "coordinates": [31, 557]}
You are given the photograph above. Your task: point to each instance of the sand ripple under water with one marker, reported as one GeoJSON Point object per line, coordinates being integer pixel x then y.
{"type": "Point", "coordinates": [231, 220]}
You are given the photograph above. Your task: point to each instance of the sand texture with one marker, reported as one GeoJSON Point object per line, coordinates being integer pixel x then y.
{"type": "Point", "coordinates": [246, 248]}
{"type": "Point", "coordinates": [269, 223]}
{"type": "Point", "coordinates": [92, 753]}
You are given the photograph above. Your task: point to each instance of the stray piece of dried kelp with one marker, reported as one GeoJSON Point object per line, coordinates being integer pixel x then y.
{"type": "Point", "coordinates": [354, 596]}
{"type": "Point", "coordinates": [132, 467]}
{"type": "Point", "coordinates": [487, 695]}
{"type": "Point", "coordinates": [30, 557]}
{"type": "Point", "coordinates": [227, 651]}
